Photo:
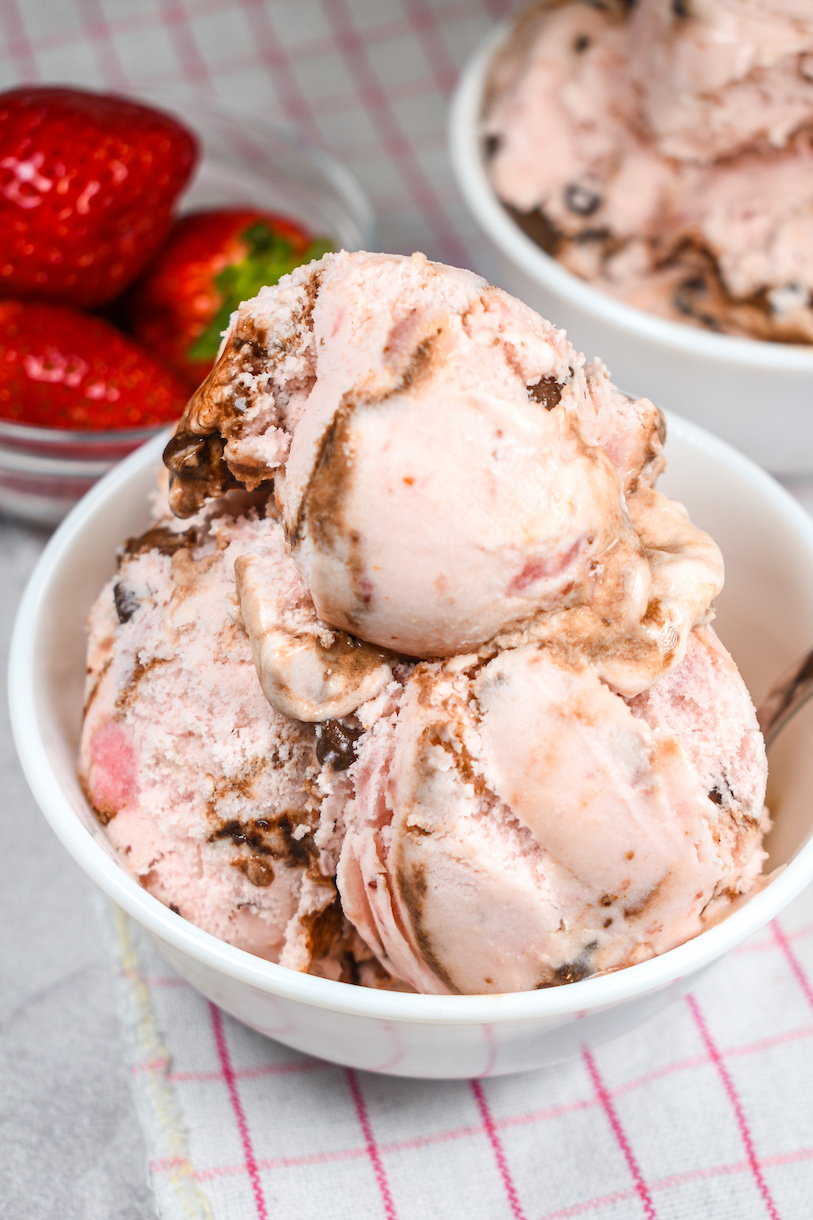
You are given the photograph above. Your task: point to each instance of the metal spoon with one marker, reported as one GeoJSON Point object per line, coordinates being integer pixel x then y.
{"type": "Point", "coordinates": [785, 697]}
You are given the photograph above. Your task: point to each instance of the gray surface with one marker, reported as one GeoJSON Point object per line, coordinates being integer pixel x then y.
{"type": "Point", "coordinates": [71, 1146]}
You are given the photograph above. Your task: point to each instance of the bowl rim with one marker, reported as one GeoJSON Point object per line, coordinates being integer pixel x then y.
{"type": "Point", "coordinates": [42, 434]}
{"type": "Point", "coordinates": [574, 999]}
{"type": "Point", "coordinates": [475, 186]}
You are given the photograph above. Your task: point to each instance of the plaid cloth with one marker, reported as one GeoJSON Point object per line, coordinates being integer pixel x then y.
{"type": "Point", "coordinates": [366, 79]}
{"type": "Point", "coordinates": [704, 1114]}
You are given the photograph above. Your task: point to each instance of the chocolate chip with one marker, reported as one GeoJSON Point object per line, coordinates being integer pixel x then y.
{"type": "Point", "coordinates": [582, 199]}
{"type": "Point", "coordinates": [547, 391]}
{"type": "Point", "coordinates": [681, 9]}
{"type": "Point", "coordinates": [126, 600]}
{"type": "Point", "coordinates": [173, 907]}
{"type": "Point", "coordinates": [336, 743]}
{"type": "Point", "coordinates": [491, 146]}
{"type": "Point", "coordinates": [716, 796]}
{"type": "Point", "coordinates": [581, 44]}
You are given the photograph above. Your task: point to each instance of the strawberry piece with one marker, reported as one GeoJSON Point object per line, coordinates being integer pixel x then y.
{"type": "Point", "coordinates": [63, 369]}
{"type": "Point", "coordinates": [87, 184]}
{"type": "Point", "coordinates": [210, 263]}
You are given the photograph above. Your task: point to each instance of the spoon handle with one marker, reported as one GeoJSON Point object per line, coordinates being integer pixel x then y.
{"type": "Point", "coordinates": [785, 697]}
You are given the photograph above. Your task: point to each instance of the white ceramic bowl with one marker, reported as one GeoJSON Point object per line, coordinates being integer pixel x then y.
{"type": "Point", "coordinates": [765, 615]}
{"type": "Point", "coordinates": [759, 396]}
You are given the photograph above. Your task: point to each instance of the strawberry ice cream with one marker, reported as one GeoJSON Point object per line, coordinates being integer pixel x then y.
{"type": "Point", "coordinates": [208, 794]}
{"type": "Point", "coordinates": [663, 151]}
{"type": "Point", "coordinates": [418, 687]}
{"type": "Point", "coordinates": [515, 825]}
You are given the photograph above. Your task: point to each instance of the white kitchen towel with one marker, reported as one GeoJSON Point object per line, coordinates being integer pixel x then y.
{"type": "Point", "coordinates": [704, 1113]}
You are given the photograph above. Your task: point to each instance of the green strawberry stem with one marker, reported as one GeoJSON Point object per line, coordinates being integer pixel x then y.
{"type": "Point", "coordinates": [269, 257]}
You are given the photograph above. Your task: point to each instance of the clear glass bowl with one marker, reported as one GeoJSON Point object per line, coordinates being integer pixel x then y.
{"type": "Point", "coordinates": [44, 471]}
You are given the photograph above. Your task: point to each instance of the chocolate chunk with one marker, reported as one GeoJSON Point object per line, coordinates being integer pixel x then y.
{"type": "Point", "coordinates": [230, 830]}
{"type": "Point", "coordinates": [350, 969]}
{"type": "Point", "coordinates": [687, 291]}
{"type": "Point", "coordinates": [537, 226]}
{"type": "Point", "coordinates": [547, 391]}
{"type": "Point", "coordinates": [572, 972]}
{"type": "Point", "coordinates": [336, 742]}
{"type": "Point", "coordinates": [126, 600]}
{"type": "Point", "coordinates": [258, 872]}
{"type": "Point", "coordinates": [267, 837]}
{"type": "Point", "coordinates": [582, 199]}
{"type": "Point", "coordinates": [716, 796]}
{"type": "Point", "coordinates": [322, 928]}
{"type": "Point", "coordinates": [256, 349]}
{"type": "Point", "coordinates": [198, 471]}
{"type": "Point", "coordinates": [105, 816]}
{"type": "Point", "coordinates": [688, 300]}
{"type": "Point", "coordinates": [602, 235]}
{"type": "Point", "coordinates": [161, 539]}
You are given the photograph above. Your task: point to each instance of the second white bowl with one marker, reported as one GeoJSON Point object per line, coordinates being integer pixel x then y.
{"type": "Point", "coordinates": [759, 396]}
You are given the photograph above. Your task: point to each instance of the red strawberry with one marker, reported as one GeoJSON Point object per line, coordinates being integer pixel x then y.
{"type": "Point", "coordinates": [211, 262]}
{"type": "Point", "coordinates": [63, 369]}
{"type": "Point", "coordinates": [87, 184]}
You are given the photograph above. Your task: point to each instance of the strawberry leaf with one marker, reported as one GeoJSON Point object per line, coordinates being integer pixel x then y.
{"type": "Point", "coordinates": [269, 257]}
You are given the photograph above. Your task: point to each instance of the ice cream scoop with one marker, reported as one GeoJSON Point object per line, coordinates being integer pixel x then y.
{"type": "Point", "coordinates": [516, 825]}
{"type": "Point", "coordinates": [450, 473]}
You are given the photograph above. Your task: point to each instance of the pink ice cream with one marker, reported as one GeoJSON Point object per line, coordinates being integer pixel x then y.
{"type": "Point", "coordinates": [663, 150]}
{"type": "Point", "coordinates": [208, 794]}
{"type": "Point", "coordinates": [516, 825]}
{"type": "Point", "coordinates": [422, 688]}
{"type": "Point", "coordinates": [450, 475]}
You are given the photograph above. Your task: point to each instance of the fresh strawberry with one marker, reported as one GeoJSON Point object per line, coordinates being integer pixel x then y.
{"type": "Point", "coordinates": [210, 263]}
{"type": "Point", "coordinates": [87, 184]}
{"type": "Point", "coordinates": [63, 369]}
